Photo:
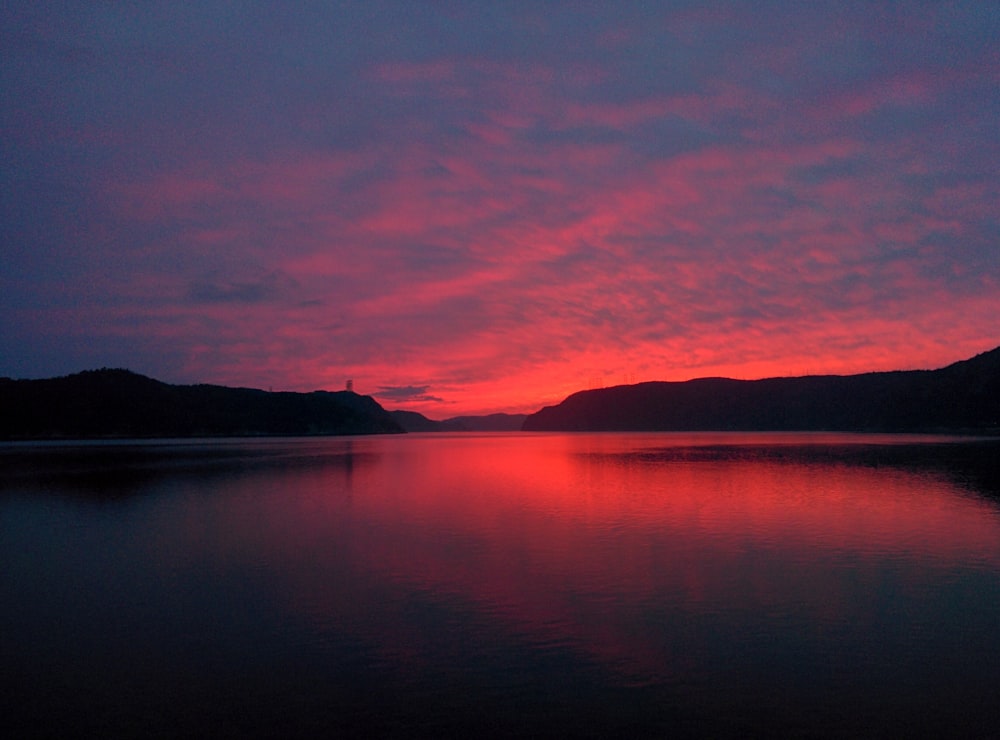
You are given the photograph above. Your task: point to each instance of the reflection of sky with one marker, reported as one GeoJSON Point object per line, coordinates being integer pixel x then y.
{"type": "Point", "coordinates": [471, 208]}
{"type": "Point", "coordinates": [455, 569]}
{"type": "Point", "coordinates": [568, 546]}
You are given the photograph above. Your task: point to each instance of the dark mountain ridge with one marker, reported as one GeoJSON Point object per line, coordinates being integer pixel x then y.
{"type": "Point", "coordinates": [962, 397]}
{"type": "Point", "coordinates": [486, 423]}
{"type": "Point", "coordinates": [412, 421]}
{"type": "Point", "coordinates": [122, 404]}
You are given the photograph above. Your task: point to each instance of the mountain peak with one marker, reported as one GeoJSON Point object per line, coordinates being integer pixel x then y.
{"type": "Point", "coordinates": [963, 397]}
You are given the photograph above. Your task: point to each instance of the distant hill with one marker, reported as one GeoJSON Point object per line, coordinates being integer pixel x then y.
{"type": "Point", "coordinates": [962, 397]}
{"type": "Point", "coordinates": [123, 404]}
{"type": "Point", "coordinates": [488, 423]}
{"type": "Point", "coordinates": [411, 421]}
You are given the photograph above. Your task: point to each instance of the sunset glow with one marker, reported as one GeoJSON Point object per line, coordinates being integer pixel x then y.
{"type": "Point", "coordinates": [469, 208]}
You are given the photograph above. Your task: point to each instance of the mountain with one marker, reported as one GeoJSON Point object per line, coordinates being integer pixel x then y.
{"type": "Point", "coordinates": [411, 421]}
{"type": "Point", "coordinates": [488, 423]}
{"type": "Point", "coordinates": [120, 403]}
{"type": "Point", "coordinates": [962, 397]}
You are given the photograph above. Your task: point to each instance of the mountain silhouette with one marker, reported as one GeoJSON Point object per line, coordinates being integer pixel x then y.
{"type": "Point", "coordinates": [962, 397]}
{"type": "Point", "coordinates": [122, 404]}
{"type": "Point", "coordinates": [412, 421]}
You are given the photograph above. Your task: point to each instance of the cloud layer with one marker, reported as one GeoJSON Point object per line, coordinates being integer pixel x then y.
{"type": "Point", "coordinates": [469, 207]}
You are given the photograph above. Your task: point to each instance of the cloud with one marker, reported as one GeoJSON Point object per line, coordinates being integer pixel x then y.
{"type": "Point", "coordinates": [273, 286]}
{"type": "Point", "coordinates": [505, 210]}
{"type": "Point", "coordinates": [407, 393]}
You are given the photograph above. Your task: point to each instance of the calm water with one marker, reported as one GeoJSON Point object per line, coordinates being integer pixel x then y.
{"type": "Point", "coordinates": [543, 585]}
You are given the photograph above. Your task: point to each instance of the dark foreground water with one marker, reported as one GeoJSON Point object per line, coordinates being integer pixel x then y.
{"type": "Point", "coordinates": [526, 585]}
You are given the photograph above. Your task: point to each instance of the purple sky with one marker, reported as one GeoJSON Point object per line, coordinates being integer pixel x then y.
{"type": "Point", "coordinates": [471, 207]}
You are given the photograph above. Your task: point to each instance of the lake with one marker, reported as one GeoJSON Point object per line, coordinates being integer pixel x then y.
{"type": "Point", "coordinates": [578, 585]}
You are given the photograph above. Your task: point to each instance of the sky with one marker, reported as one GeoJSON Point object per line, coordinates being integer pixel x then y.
{"type": "Point", "coordinates": [471, 207]}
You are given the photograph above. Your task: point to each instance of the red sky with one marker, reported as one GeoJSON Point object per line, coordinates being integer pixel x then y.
{"type": "Point", "coordinates": [470, 208]}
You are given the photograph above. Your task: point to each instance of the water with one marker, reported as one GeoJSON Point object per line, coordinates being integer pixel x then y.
{"type": "Point", "coordinates": [724, 585]}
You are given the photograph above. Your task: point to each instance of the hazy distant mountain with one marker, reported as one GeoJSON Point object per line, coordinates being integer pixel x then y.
{"type": "Point", "coordinates": [964, 396]}
{"type": "Point", "coordinates": [120, 403]}
{"type": "Point", "coordinates": [411, 421]}
{"type": "Point", "coordinates": [488, 423]}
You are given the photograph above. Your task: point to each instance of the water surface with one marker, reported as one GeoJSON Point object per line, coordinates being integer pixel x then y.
{"type": "Point", "coordinates": [545, 584]}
